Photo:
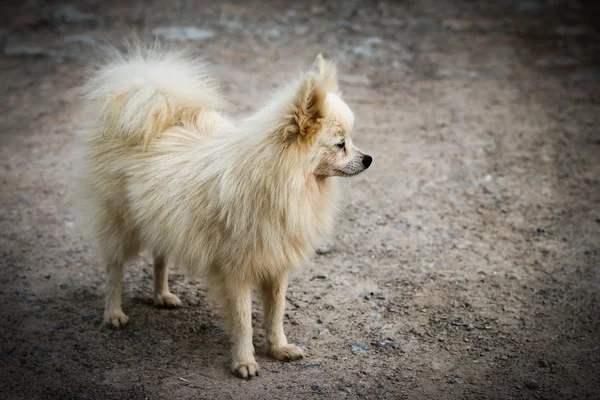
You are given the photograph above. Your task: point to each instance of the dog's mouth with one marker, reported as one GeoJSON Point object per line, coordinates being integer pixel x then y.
{"type": "Point", "coordinates": [345, 174]}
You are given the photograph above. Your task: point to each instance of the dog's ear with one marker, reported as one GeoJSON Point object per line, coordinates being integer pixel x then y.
{"type": "Point", "coordinates": [308, 109]}
{"type": "Point", "coordinates": [327, 73]}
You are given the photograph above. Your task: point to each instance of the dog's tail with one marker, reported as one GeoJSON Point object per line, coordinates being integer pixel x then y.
{"type": "Point", "coordinates": [146, 90]}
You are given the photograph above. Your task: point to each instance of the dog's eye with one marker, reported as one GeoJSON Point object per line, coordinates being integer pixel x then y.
{"type": "Point", "coordinates": [340, 145]}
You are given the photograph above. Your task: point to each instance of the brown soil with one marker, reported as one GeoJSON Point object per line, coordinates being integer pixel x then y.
{"type": "Point", "coordinates": [466, 260]}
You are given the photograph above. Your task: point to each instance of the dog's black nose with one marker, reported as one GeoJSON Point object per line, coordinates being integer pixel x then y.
{"type": "Point", "coordinates": [367, 160]}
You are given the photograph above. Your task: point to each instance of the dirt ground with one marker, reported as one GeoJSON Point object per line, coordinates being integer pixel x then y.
{"type": "Point", "coordinates": [466, 260]}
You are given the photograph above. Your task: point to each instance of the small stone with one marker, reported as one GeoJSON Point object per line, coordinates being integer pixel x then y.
{"type": "Point", "coordinates": [556, 61]}
{"type": "Point", "coordinates": [457, 25]}
{"type": "Point", "coordinates": [182, 33]}
{"type": "Point", "coordinates": [69, 14]}
{"type": "Point", "coordinates": [368, 48]}
{"type": "Point", "coordinates": [375, 316]}
{"type": "Point", "coordinates": [81, 39]}
{"type": "Point", "coordinates": [380, 297]}
{"type": "Point", "coordinates": [316, 388]}
{"type": "Point", "coordinates": [357, 348]}
{"type": "Point", "coordinates": [531, 384]}
{"type": "Point", "coordinates": [309, 366]}
{"type": "Point", "coordinates": [570, 30]}
{"type": "Point", "coordinates": [529, 5]}
{"type": "Point", "coordinates": [323, 250]}
{"type": "Point", "coordinates": [25, 51]}
{"type": "Point", "coordinates": [321, 275]}
{"type": "Point", "coordinates": [301, 30]}
{"type": "Point", "coordinates": [384, 344]}
{"type": "Point", "coordinates": [356, 80]}
{"type": "Point", "coordinates": [273, 33]}
{"type": "Point", "coordinates": [192, 302]}
{"type": "Point", "coordinates": [457, 379]}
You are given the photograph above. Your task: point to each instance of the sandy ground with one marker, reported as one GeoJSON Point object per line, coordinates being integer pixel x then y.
{"type": "Point", "coordinates": [466, 260]}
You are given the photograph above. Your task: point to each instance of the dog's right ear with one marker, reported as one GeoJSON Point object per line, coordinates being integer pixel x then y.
{"type": "Point", "coordinates": [327, 72]}
{"type": "Point", "coordinates": [308, 109]}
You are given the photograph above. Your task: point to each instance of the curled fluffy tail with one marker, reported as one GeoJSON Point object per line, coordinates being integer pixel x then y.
{"type": "Point", "coordinates": [137, 95]}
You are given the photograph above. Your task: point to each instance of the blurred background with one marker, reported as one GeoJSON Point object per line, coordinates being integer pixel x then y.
{"type": "Point", "coordinates": [465, 263]}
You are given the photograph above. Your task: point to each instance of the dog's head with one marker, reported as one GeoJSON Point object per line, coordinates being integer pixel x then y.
{"type": "Point", "coordinates": [320, 123]}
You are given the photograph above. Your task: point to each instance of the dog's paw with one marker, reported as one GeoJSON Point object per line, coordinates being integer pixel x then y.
{"type": "Point", "coordinates": [115, 319]}
{"type": "Point", "coordinates": [289, 352]}
{"type": "Point", "coordinates": [168, 300]}
{"type": "Point", "coordinates": [245, 370]}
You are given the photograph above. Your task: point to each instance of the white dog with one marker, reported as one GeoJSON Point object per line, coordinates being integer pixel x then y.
{"type": "Point", "coordinates": [161, 167]}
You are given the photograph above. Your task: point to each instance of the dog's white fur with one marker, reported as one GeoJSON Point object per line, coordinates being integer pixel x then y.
{"type": "Point", "coordinates": [161, 167]}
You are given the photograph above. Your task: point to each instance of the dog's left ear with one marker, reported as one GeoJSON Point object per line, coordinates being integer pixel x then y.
{"type": "Point", "coordinates": [308, 110]}
{"type": "Point", "coordinates": [327, 73]}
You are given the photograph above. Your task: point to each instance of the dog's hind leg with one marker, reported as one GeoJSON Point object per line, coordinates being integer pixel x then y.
{"type": "Point", "coordinates": [162, 296]}
{"type": "Point", "coordinates": [113, 313]}
{"type": "Point", "coordinates": [118, 246]}
{"type": "Point", "coordinates": [273, 293]}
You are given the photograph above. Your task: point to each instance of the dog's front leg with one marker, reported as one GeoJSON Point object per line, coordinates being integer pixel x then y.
{"type": "Point", "coordinates": [238, 308]}
{"type": "Point", "coordinates": [273, 293]}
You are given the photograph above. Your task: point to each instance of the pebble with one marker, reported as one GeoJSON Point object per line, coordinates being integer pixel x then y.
{"type": "Point", "coordinates": [384, 344]}
{"type": "Point", "coordinates": [88, 317]}
{"type": "Point", "coordinates": [323, 250]}
{"type": "Point", "coordinates": [81, 39]}
{"type": "Point", "coordinates": [183, 33]}
{"type": "Point", "coordinates": [192, 302]}
{"type": "Point", "coordinates": [457, 25]}
{"type": "Point", "coordinates": [309, 366]}
{"type": "Point", "coordinates": [556, 61]}
{"type": "Point", "coordinates": [380, 297]}
{"type": "Point", "coordinates": [356, 80]}
{"type": "Point", "coordinates": [401, 226]}
{"type": "Point", "coordinates": [69, 14]}
{"type": "Point", "coordinates": [368, 48]}
{"type": "Point", "coordinates": [24, 50]}
{"type": "Point", "coordinates": [357, 348]}
{"type": "Point", "coordinates": [273, 33]}
{"type": "Point", "coordinates": [301, 30]}
{"type": "Point", "coordinates": [457, 380]}
{"type": "Point", "coordinates": [529, 6]}
{"type": "Point", "coordinates": [531, 384]}
{"type": "Point", "coordinates": [318, 9]}
{"type": "Point", "coordinates": [321, 275]}
{"type": "Point", "coordinates": [316, 388]}
{"type": "Point", "coordinates": [570, 30]}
